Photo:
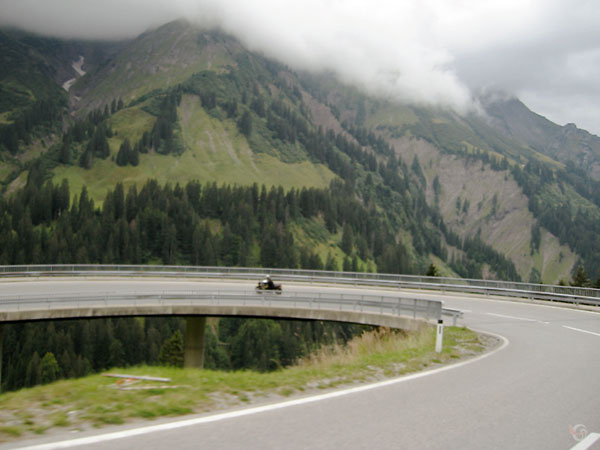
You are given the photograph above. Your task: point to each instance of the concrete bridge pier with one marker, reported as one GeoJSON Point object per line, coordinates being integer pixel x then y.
{"type": "Point", "coordinates": [193, 352]}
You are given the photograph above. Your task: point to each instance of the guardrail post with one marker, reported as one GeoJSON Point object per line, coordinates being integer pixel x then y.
{"type": "Point", "coordinates": [439, 337]}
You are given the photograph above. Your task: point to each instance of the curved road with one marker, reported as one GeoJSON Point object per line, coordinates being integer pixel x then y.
{"type": "Point", "coordinates": [528, 395]}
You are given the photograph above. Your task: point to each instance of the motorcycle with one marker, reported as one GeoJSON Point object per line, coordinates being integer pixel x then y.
{"type": "Point", "coordinates": [267, 285]}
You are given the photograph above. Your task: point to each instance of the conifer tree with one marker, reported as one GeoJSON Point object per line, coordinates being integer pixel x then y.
{"type": "Point", "coordinates": [245, 124]}
{"type": "Point", "coordinates": [580, 279]}
{"type": "Point", "coordinates": [49, 368]}
{"type": "Point", "coordinates": [171, 353]}
{"type": "Point", "coordinates": [123, 155]}
{"type": "Point", "coordinates": [432, 271]}
{"type": "Point", "coordinates": [86, 159]}
{"type": "Point", "coordinates": [331, 263]}
{"type": "Point", "coordinates": [347, 239]}
{"type": "Point", "coordinates": [33, 375]}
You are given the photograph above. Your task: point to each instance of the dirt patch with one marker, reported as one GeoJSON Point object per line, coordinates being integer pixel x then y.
{"type": "Point", "coordinates": [16, 184]}
{"type": "Point", "coordinates": [187, 108]}
{"type": "Point", "coordinates": [227, 145]}
{"type": "Point", "coordinates": [230, 150]}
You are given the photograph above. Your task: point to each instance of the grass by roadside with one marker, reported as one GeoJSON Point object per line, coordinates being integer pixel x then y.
{"type": "Point", "coordinates": [96, 400]}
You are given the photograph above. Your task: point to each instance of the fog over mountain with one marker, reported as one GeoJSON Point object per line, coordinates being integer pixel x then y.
{"type": "Point", "coordinates": [434, 52]}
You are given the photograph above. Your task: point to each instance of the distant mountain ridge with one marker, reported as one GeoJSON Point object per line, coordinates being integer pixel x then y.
{"type": "Point", "coordinates": [156, 59]}
{"type": "Point", "coordinates": [562, 143]}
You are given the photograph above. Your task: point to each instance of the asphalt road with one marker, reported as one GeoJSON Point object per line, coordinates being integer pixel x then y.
{"type": "Point", "coordinates": [530, 394]}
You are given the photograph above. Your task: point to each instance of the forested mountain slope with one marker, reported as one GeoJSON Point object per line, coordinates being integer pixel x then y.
{"type": "Point", "coordinates": [480, 195]}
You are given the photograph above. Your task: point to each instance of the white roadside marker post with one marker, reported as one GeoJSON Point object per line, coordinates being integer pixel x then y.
{"type": "Point", "coordinates": [439, 336]}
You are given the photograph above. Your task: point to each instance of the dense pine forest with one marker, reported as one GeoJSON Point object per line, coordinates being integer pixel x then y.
{"type": "Point", "coordinates": [41, 352]}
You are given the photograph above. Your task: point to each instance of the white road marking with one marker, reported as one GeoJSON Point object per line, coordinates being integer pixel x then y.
{"type": "Point", "coordinates": [256, 410]}
{"type": "Point", "coordinates": [587, 442]}
{"type": "Point", "coordinates": [525, 319]}
{"type": "Point", "coordinates": [580, 330]}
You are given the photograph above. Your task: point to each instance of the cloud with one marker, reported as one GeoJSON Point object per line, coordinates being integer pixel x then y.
{"type": "Point", "coordinates": [549, 57]}
{"type": "Point", "coordinates": [107, 19]}
{"type": "Point", "coordinates": [382, 48]}
{"type": "Point", "coordinates": [423, 51]}
{"type": "Point", "coordinates": [379, 46]}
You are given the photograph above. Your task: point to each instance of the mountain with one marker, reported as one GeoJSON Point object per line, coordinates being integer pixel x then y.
{"type": "Point", "coordinates": [503, 193]}
{"type": "Point", "coordinates": [565, 144]}
{"type": "Point", "coordinates": [34, 68]}
{"type": "Point", "coordinates": [157, 59]}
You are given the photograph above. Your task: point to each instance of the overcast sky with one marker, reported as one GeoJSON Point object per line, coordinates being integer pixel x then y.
{"type": "Point", "coordinates": [546, 52]}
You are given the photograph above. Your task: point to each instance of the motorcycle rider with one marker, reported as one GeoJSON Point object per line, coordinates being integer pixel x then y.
{"type": "Point", "coordinates": [270, 284]}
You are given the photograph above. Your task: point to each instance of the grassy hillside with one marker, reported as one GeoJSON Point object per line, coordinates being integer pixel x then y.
{"type": "Point", "coordinates": [214, 151]}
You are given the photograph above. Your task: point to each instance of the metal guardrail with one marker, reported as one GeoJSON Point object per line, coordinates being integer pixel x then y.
{"type": "Point", "coordinates": [455, 314]}
{"type": "Point", "coordinates": [413, 308]}
{"type": "Point", "coordinates": [568, 294]}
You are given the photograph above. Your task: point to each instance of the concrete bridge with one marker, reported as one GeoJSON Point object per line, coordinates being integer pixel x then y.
{"type": "Point", "coordinates": [52, 298]}
{"type": "Point", "coordinates": [48, 292]}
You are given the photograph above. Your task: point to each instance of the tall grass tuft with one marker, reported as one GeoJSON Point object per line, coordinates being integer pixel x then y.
{"type": "Point", "coordinates": [382, 343]}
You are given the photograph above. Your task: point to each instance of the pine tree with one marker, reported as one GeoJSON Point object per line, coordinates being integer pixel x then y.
{"type": "Point", "coordinates": [64, 155]}
{"type": "Point", "coordinates": [134, 157]}
{"type": "Point", "coordinates": [86, 160]}
{"type": "Point", "coordinates": [49, 368]}
{"type": "Point", "coordinates": [123, 155]}
{"type": "Point", "coordinates": [245, 124]}
{"type": "Point", "coordinates": [256, 345]}
{"type": "Point", "coordinates": [432, 271]}
{"type": "Point", "coordinates": [33, 375]}
{"type": "Point", "coordinates": [171, 352]}
{"type": "Point", "coordinates": [580, 279]}
{"type": "Point", "coordinates": [347, 239]}
{"type": "Point", "coordinates": [331, 263]}
{"type": "Point", "coordinates": [597, 283]}
{"type": "Point", "coordinates": [347, 266]}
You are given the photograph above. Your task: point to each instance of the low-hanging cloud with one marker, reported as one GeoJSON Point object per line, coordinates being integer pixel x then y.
{"type": "Point", "coordinates": [382, 49]}
{"type": "Point", "coordinates": [421, 51]}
